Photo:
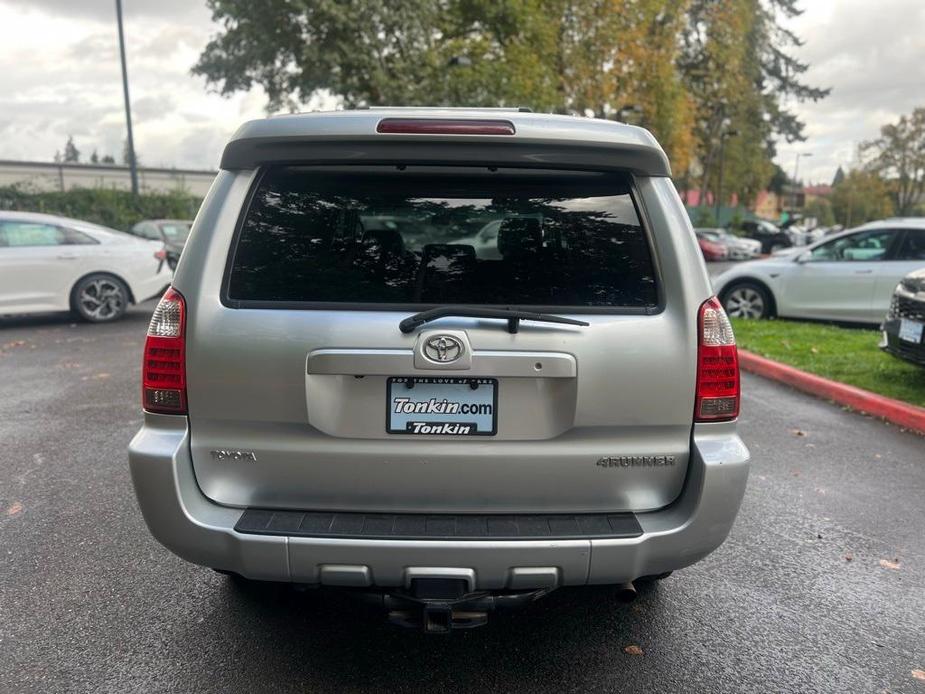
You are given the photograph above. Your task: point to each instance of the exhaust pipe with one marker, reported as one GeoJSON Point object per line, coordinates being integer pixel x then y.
{"type": "Point", "coordinates": [626, 592]}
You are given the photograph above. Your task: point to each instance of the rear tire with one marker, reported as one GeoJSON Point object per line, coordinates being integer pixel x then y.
{"type": "Point", "coordinates": [100, 298]}
{"type": "Point", "coordinates": [747, 300]}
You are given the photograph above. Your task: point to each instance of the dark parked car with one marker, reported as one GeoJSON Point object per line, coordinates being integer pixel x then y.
{"type": "Point", "coordinates": [904, 326]}
{"type": "Point", "coordinates": [172, 232]}
{"type": "Point", "coordinates": [771, 237]}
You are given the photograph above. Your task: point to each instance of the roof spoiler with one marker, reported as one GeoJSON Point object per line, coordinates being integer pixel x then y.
{"type": "Point", "coordinates": [541, 141]}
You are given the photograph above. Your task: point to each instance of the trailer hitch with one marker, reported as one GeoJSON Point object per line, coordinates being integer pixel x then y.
{"type": "Point", "coordinates": [438, 606]}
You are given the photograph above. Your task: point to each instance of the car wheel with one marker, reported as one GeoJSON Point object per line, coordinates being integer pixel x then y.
{"type": "Point", "coordinates": [100, 298]}
{"type": "Point", "coordinates": [747, 300]}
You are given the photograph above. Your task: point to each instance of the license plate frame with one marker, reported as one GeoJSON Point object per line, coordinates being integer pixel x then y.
{"type": "Point", "coordinates": [433, 391]}
{"type": "Point", "coordinates": [911, 331]}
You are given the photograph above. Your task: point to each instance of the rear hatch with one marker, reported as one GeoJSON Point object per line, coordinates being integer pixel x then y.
{"type": "Point", "coordinates": [305, 394]}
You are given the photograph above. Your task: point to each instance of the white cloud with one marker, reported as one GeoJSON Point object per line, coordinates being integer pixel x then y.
{"type": "Point", "coordinates": [872, 55]}
{"type": "Point", "coordinates": [60, 76]}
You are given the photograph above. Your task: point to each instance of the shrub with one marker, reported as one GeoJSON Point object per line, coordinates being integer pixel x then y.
{"type": "Point", "coordinates": [118, 209]}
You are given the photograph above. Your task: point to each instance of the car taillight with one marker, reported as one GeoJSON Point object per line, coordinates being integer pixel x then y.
{"type": "Point", "coordinates": [717, 366]}
{"type": "Point", "coordinates": [161, 254]}
{"type": "Point", "coordinates": [163, 373]}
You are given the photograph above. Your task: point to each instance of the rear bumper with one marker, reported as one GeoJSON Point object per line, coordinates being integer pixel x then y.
{"type": "Point", "coordinates": [198, 530]}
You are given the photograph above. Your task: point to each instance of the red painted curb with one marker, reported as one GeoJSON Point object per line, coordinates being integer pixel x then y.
{"type": "Point", "coordinates": [895, 411]}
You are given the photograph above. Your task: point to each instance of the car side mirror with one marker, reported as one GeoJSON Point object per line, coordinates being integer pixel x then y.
{"type": "Point", "coordinates": [804, 258]}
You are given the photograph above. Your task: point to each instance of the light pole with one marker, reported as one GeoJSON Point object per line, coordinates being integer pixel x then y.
{"type": "Point", "coordinates": [793, 183]}
{"type": "Point", "coordinates": [133, 169]}
{"type": "Point", "coordinates": [722, 164]}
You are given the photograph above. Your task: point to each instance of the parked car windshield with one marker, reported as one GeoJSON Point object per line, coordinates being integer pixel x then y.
{"type": "Point", "coordinates": [464, 236]}
{"type": "Point", "coordinates": [175, 231]}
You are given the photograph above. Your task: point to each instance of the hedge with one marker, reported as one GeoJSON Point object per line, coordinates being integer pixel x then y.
{"type": "Point", "coordinates": [118, 209]}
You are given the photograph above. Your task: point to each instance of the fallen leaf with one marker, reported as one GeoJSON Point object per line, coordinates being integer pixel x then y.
{"type": "Point", "coordinates": [814, 350]}
{"type": "Point", "coordinates": [919, 674]}
{"type": "Point", "coordinates": [101, 376]}
{"type": "Point", "coordinates": [798, 432]}
{"type": "Point", "coordinates": [849, 557]}
{"type": "Point", "coordinates": [887, 564]}
{"type": "Point", "coordinates": [14, 509]}
{"type": "Point", "coordinates": [633, 650]}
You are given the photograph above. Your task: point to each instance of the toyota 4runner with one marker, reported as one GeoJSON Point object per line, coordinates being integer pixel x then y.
{"type": "Point", "coordinates": [453, 359]}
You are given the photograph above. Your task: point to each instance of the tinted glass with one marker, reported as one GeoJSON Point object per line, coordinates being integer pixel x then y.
{"type": "Point", "coordinates": [913, 245]}
{"type": "Point", "coordinates": [863, 246]}
{"type": "Point", "coordinates": [72, 237]}
{"type": "Point", "coordinates": [462, 236]}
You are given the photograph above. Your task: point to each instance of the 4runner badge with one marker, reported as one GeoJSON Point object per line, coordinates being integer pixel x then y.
{"type": "Point", "coordinates": [636, 461]}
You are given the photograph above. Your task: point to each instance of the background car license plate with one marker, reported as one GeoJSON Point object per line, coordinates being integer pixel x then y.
{"type": "Point", "coordinates": [442, 406]}
{"type": "Point", "coordinates": [910, 330]}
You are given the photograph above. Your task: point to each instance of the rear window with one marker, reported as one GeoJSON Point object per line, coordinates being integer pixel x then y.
{"type": "Point", "coordinates": [431, 237]}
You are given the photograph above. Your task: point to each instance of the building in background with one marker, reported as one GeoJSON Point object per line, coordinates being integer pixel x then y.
{"type": "Point", "coordinates": [48, 176]}
{"type": "Point", "coordinates": [768, 205]}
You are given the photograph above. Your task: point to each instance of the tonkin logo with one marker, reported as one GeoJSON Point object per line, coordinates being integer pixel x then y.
{"type": "Point", "coordinates": [443, 348]}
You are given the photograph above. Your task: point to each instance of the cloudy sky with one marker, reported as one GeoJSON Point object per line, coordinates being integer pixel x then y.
{"type": "Point", "coordinates": [59, 75]}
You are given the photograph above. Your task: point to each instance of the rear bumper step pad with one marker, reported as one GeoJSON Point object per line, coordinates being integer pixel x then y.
{"type": "Point", "coordinates": [414, 526]}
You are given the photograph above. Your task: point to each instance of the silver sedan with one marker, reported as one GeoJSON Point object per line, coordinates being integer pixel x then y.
{"type": "Point", "coordinates": [848, 277]}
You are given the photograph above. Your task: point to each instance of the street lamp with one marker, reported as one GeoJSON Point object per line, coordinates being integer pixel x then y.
{"type": "Point", "coordinates": [796, 169]}
{"type": "Point", "coordinates": [723, 136]}
{"type": "Point", "coordinates": [133, 167]}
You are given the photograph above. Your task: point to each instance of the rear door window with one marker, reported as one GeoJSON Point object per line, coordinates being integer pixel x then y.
{"type": "Point", "coordinates": [913, 245]}
{"type": "Point", "coordinates": [425, 237]}
{"type": "Point", "coordinates": [18, 234]}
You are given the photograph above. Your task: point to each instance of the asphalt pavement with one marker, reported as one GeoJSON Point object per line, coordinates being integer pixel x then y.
{"type": "Point", "coordinates": [820, 587]}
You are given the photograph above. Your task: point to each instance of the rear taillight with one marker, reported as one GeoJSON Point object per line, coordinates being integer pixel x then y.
{"type": "Point", "coordinates": [444, 126]}
{"type": "Point", "coordinates": [161, 254]}
{"type": "Point", "coordinates": [163, 373]}
{"type": "Point", "coordinates": [717, 366]}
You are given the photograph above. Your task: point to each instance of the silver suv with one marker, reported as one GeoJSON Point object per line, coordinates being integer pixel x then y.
{"type": "Point", "coordinates": [341, 388]}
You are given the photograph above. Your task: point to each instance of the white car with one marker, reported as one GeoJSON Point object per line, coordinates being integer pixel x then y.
{"type": "Point", "coordinates": [846, 277]}
{"type": "Point", "coordinates": [50, 263]}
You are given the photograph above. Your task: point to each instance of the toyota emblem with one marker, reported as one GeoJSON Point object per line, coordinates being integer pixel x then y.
{"type": "Point", "coordinates": [443, 348]}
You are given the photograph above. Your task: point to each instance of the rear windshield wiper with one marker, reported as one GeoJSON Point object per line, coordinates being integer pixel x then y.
{"type": "Point", "coordinates": [513, 317]}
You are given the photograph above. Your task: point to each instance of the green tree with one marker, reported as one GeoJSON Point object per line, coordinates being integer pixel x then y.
{"type": "Point", "coordinates": [692, 69]}
{"type": "Point", "coordinates": [593, 57]}
{"type": "Point", "coordinates": [861, 197]}
{"type": "Point", "coordinates": [821, 209]}
{"type": "Point", "coordinates": [737, 65]}
{"type": "Point", "coordinates": [899, 155]}
{"type": "Point", "coordinates": [71, 153]}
